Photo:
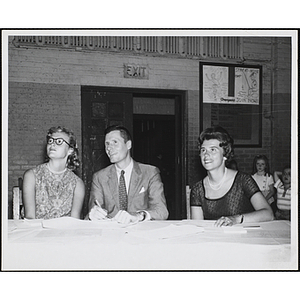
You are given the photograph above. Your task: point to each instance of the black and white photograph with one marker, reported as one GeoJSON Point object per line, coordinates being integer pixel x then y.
{"type": "Point", "coordinates": [149, 150]}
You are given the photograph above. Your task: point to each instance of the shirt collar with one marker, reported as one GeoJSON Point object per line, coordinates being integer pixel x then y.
{"type": "Point", "coordinates": [127, 170]}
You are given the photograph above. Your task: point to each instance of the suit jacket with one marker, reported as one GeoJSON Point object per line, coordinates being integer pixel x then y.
{"type": "Point", "coordinates": [145, 191]}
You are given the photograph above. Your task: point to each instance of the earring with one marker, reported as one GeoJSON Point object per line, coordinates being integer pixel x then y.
{"type": "Point", "coordinates": [224, 158]}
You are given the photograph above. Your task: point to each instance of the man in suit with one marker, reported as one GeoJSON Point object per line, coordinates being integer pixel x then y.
{"type": "Point", "coordinates": [141, 197]}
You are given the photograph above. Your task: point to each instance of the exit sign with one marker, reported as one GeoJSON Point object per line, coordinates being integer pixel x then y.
{"type": "Point", "coordinates": [136, 71]}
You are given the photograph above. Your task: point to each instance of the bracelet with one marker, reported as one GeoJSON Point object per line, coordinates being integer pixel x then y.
{"type": "Point", "coordinates": [242, 219]}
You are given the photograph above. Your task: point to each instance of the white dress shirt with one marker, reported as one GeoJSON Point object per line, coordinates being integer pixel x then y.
{"type": "Point", "coordinates": [127, 176]}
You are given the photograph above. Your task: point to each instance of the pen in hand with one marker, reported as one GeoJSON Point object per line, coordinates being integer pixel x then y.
{"type": "Point", "coordinates": [98, 204]}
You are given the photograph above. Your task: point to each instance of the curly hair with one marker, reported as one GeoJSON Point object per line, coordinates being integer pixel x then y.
{"type": "Point", "coordinates": [72, 160]}
{"type": "Point", "coordinates": [220, 134]}
{"type": "Point", "coordinates": [263, 157]}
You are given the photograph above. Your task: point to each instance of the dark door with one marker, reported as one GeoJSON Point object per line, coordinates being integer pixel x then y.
{"type": "Point", "coordinates": [155, 144]}
{"type": "Point", "coordinates": [100, 108]}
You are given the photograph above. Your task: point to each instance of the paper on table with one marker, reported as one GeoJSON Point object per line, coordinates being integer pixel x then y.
{"type": "Point", "coordinates": [25, 224]}
{"type": "Point", "coordinates": [73, 223]}
{"type": "Point", "coordinates": [12, 226]}
{"type": "Point", "coordinates": [226, 229]}
{"type": "Point", "coordinates": [209, 225]}
{"type": "Point", "coordinates": [170, 231]}
{"type": "Point", "coordinates": [233, 229]}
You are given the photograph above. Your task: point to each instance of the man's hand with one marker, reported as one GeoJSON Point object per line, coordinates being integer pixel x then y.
{"type": "Point", "coordinates": [124, 217]}
{"type": "Point", "coordinates": [97, 213]}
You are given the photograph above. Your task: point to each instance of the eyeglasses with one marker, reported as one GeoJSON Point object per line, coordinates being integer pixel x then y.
{"type": "Point", "coordinates": [58, 141]}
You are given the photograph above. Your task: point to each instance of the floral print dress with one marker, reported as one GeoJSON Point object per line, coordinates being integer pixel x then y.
{"type": "Point", "coordinates": [53, 192]}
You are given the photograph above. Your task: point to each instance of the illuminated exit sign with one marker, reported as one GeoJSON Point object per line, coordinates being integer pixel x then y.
{"type": "Point", "coordinates": [136, 71]}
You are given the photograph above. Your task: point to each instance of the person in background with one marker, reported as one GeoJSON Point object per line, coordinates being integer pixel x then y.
{"type": "Point", "coordinates": [127, 191]}
{"type": "Point", "coordinates": [264, 179]}
{"type": "Point", "coordinates": [52, 189]}
{"type": "Point", "coordinates": [227, 196]}
{"type": "Point", "coordinates": [283, 188]}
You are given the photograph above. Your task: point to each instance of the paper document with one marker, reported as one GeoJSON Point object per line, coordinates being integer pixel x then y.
{"type": "Point", "coordinates": [170, 231]}
{"type": "Point", "coordinates": [73, 223]}
{"type": "Point", "coordinates": [233, 229]}
{"type": "Point", "coordinates": [25, 224]}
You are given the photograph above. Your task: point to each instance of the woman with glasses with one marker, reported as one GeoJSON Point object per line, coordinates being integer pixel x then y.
{"type": "Point", "coordinates": [228, 196]}
{"type": "Point", "coordinates": [52, 189]}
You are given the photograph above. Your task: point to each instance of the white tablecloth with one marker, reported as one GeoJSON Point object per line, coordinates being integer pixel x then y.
{"type": "Point", "coordinates": [70, 244]}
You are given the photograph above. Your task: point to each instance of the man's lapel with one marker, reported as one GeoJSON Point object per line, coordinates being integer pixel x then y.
{"type": "Point", "coordinates": [134, 180]}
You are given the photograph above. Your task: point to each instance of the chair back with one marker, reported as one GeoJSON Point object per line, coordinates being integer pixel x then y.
{"type": "Point", "coordinates": [17, 200]}
{"type": "Point", "coordinates": [188, 204]}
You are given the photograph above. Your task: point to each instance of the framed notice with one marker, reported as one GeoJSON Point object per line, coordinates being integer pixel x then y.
{"type": "Point", "coordinates": [231, 96]}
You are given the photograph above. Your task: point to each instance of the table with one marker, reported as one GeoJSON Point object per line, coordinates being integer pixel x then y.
{"type": "Point", "coordinates": [71, 244]}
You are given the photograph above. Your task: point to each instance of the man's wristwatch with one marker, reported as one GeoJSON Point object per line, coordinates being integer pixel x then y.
{"type": "Point", "coordinates": [142, 216]}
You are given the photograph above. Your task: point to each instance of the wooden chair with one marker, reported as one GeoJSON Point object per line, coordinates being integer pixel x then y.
{"type": "Point", "coordinates": [17, 200]}
{"type": "Point", "coordinates": [188, 204]}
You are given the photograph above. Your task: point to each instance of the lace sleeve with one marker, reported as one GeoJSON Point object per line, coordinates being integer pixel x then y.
{"type": "Point", "coordinates": [249, 185]}
{"type": "Point", "coordinates": [197, 194]}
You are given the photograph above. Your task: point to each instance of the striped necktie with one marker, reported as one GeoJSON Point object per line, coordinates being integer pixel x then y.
{"type": "Point", "coordinates": [122, 192]}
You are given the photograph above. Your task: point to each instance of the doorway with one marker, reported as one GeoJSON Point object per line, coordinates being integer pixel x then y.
{"type": "Point", "coordinates": [158, 138]}
{"type": "Point", "coordinates": [154, 144]}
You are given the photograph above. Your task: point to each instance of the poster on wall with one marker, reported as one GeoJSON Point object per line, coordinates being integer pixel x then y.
{"type": "Point", "coordinates": [230, 96]}
{"type": "Point", "coordinates": [231, 84]}
{"type": "Point", "coordinates": [246, 85]}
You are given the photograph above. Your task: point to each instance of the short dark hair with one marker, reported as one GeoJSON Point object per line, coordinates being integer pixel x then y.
{"type": "Point", "coordinates": [220, 134]}
{"type": "Point", "coordinates": [124, 132]}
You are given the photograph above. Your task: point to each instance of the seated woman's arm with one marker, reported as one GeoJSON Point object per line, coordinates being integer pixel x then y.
{"type": "Point", "coordinates": [78, 199]}
{"type": "Point", "coordinates": [28, 194]}
{"type": "Point", "coordinates": [197, 213]}
{"type": "Point", "coordinates": [263, 211]}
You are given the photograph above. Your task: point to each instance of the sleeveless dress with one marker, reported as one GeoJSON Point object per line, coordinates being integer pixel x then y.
{"type": "Point", "coordinates": [263, 183]}
{"type": "Point", "coordinates": [53, 192]}
{"type": "Point", "coordinates": [236, 201]}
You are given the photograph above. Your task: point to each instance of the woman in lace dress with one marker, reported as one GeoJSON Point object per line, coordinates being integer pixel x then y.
{"type": "Point", "coordinates": [226, 195]}
{"type": "Point", "coordinates": [52, 190]}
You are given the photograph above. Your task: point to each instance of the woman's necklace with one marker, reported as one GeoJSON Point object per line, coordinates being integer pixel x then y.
{"type": "Point", "coordinates": [56, 172]}
{"type": "Point", "coordinates": [216, 187]}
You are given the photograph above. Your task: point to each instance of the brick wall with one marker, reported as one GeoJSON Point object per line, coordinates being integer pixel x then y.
{"type": "Point", "coordinates": [274, 54]}
{"type": "Point", "coordinates": [282, 104]}
{"type": "Point", "coordinates": [33, 109]}
{"type": "Point", "coordinates": [44, 90]}
{"type": "Point", "coordinates": [276, 107]}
